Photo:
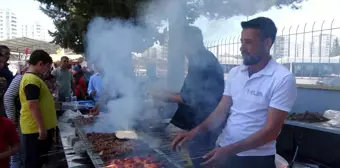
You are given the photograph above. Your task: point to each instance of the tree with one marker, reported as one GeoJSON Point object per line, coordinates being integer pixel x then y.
{"type": "Point", "coordinates": [335, 48]}
{"type": "Point", "coordinates": [71, 17]}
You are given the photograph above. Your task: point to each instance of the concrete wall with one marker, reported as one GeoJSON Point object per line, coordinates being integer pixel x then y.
{"type": "Point", "coordinates": [317, 99]}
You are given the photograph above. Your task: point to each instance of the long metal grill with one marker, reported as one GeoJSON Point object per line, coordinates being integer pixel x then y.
{"type": "Point", "coordinates": [181, 158]}
{"type": "Point", "coordinates": [164, 154]}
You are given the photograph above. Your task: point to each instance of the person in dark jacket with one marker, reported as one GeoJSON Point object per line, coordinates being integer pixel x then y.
{"type": "Point", "coordinates": [6, 76]}
{"type": "Point", "coordinates": [200, 94]}
{"type": "Point", "coordinates": [6, 52]}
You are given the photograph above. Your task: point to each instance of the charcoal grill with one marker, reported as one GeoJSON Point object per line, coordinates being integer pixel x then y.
{"type": "Point", "coordinates": [95, 158]}
{"type": "Point", "coordinates": [160, 154]}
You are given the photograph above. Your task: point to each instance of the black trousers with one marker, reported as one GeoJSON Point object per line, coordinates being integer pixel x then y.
{"type": "Point", "coordinates": [200, 146]}
{"type": "Point", "coordinates": [249, 162]}
{"type": "Point", "coordinates": [36, 150]}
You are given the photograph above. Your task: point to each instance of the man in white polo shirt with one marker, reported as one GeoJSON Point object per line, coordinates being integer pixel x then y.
{"type": "Point", "coordinates": [257, 98]}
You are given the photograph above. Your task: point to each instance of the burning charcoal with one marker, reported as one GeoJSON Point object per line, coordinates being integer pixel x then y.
{"type": "Point", "coordinates": [134, 162]}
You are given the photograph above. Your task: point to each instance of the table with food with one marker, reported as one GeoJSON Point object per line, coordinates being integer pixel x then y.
{"type": "Point", "coordinates": [309, 136]}
{"type": "Point", "coordinates": [314, 120]}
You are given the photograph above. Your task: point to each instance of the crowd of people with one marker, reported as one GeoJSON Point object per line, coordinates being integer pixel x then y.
{"type": "Point", "coordinates": [28, 115]}
{"type": "Point", "coordinates": [239, 118]}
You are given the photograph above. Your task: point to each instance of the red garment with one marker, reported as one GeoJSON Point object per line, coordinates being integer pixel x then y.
{"type": "Point", "coordinates": [81, 86]}
{"type": "Point", "coordinates": [8, 137]}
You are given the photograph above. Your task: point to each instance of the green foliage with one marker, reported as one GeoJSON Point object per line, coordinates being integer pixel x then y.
{"type": "Point", "coordinates": [71, 17]}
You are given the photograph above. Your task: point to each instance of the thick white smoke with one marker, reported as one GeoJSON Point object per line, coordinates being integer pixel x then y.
{"type": "Point", "coordinates": [109, 46]}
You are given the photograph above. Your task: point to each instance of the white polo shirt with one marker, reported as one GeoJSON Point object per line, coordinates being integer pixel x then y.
{"type": "Point", "coordinates": [274, 86]}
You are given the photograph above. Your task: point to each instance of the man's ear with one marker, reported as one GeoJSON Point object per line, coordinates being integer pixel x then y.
{"type": "Point", "coordinates": [268, 42]}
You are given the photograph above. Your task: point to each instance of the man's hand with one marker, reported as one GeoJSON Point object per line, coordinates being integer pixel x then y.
{"type": "Point", "coordinates": [42, 134]}
{"type": "Point", "coordinates": [217, 156]}
{"type": "Point", "coordinates": [93, 93]}
{"type": "Point", "coordinates": [95, 110]}
{"type": "Point", "coordinates": [183, 137]}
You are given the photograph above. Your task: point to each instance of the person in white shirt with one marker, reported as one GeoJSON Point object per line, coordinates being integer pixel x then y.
{"type": "Point", "coordinates": [257, 98]}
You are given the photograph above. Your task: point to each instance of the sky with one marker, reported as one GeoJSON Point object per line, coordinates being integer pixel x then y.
{"type": "Point", "coordinates": [312, 10]}
{"type": "Point", "coordinates": [28, 11]}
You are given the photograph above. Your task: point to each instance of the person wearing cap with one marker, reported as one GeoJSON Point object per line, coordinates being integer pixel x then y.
{"type": "Point", "coordinates": [257, 97]}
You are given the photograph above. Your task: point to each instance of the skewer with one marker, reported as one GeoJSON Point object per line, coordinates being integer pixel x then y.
{"type": "Point", "coordinates": [53, 153]}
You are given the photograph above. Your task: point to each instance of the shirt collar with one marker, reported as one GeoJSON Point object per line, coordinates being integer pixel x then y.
{"type": "Point", "coordinates": [268, 70]}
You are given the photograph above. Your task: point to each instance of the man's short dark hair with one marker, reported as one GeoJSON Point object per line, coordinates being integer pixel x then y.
{"type": "Point", "coordinates": [193, 34]}
{"type": "Point", "coordinates": [40, 55]}
{"type": "Point", "coordinates": [3, 47]}
{"type": "Point", "coordinates": [64, 57]}
{"type": "Point", "coordinates": [265, 25]}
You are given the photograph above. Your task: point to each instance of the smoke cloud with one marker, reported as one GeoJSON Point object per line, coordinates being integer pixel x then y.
{"type": "Point", "coordinates": [109, 46]}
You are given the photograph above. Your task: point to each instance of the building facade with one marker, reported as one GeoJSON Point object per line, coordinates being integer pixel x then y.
{"type": "Point", "coordinates": [281, 47]}
{"type": "Point", "coordinates": [321, 45]}
{"type": "Point", "coordinates": [34, 31]}
{"type": "Point", "coordinates": [9, 28]}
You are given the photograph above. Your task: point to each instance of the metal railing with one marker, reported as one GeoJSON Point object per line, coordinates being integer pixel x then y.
{"type": "Point", "coordinates": [310, 50]}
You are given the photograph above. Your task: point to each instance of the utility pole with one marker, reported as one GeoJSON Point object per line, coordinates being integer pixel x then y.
{"type": "Point", "coordinates": [176, 58]}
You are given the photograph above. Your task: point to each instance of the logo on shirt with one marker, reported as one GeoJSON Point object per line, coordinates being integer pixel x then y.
{"type": "Point", "coordinates": [254, 93]}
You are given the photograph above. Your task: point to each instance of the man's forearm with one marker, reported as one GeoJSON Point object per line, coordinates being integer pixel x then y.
{"type": "Point", "coordinates": [217, 118]}
{"type": "Point", "coordinates": [175, 98]}
{"type": "Point", "coordinates": [212, 122]}
{"type": "Point", "coordinates": [9, 152]}
{"type": "Point", "coordinates": [10, 107]}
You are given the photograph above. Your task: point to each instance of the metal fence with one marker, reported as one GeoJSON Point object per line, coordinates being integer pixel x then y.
{"type": "Point", "coordinates": [310, 50]}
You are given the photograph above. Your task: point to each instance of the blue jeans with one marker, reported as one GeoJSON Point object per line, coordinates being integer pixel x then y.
{"type": "Point", "coordinates": [18, 158]}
